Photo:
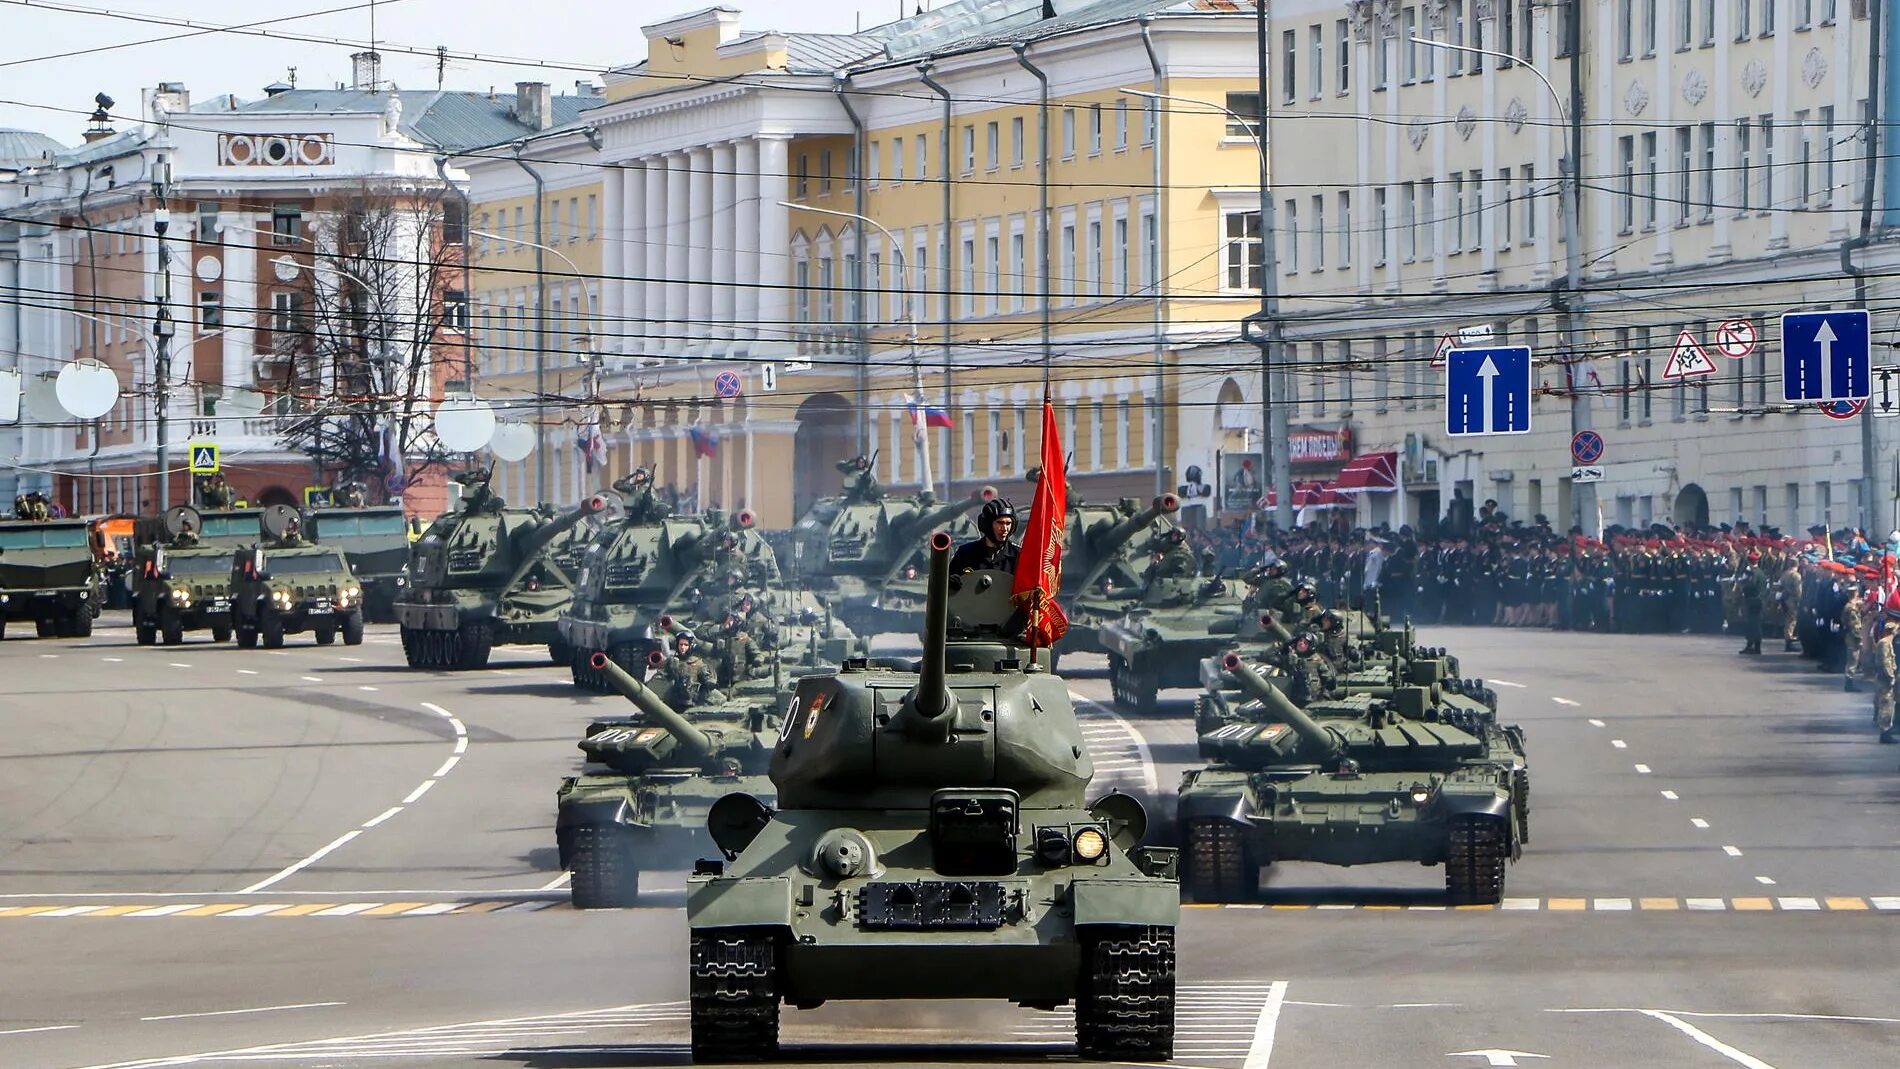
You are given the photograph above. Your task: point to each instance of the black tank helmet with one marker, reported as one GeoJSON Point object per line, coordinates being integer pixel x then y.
{"type": "Point", "coordinates": [1275, 569]}
{"type": "Point", "coordinates": [1330, 621]}
{"type": "Point", "coordinates": [1305, 592]}
{"type": "Point", "coordinates": [996, 508]}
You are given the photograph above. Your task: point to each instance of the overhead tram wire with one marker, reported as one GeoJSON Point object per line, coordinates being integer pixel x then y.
{"type": "Point", "coordinates": [26, 60]}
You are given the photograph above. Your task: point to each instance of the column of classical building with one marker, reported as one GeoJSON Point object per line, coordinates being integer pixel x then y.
{"type": "Point", "coordinates": [699, 252]}
{"type": "Point", "coordinates": [239, 267]}
{"type": "Point", "coordinates": [632, 236]}
{"type": "Point", "coordinates": [746, 249]}
{"type": "Point", "coordinates": [775, 242]}
{"type": "Point", "coordinates": [1603, 206]}
{"type": "Point", "coordinates": [678, 209]}
{"type": "Point", "coordinates": [724, 274]}
{"type": "Point", "coordinates": [653, 288]}
{"type": "Point", "coordinates": [611, 314]}
{"type": "Point", "coordinates": [1670, 173]}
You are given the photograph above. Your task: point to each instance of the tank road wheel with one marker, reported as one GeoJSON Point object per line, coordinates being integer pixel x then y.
{"type": "Point", "coordinates": [601, 858]}
{"type": "Point", "coordinates": [734, 987]}
{"type": "Point", "coordinates": [325, 634]}
{"type": "Point", "coordinates": [1118, 680]}
{"type": "Point", "coordinates": [171, 627]}
{"type": "Point", "coordinates": [1143, 688]}
{"type": "Point", "coordinates": [411, 646]}
{"type": "Point", "coordinates": [473, 643]}
{"type": "Point", "coordinates": [145, 631]}
{"type": "Point", "coordinates": [220, 632]}
{"type": "Point", "coordinates": [353, 628]}
{"type": "Point", "coordinates": [271, 629]}
{"type": "Point", "coordinates": [1521, 802]}
{"type": "Point", "coordinates": [1474, 868]}
{"type": "Point", "coordinates": [1217, 865]}
{"type": "Point", "coordinates": [1124, 1010]}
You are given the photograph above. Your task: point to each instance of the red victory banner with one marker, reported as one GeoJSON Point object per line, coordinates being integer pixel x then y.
{"type": "Point", "coordinates": [1039, 566]}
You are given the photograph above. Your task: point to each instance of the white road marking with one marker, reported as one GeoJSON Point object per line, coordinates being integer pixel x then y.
{"type": "Point", "coordinates": [1738, 1057]}
{"type": "Point", "coordinates": [384, 815]}
{"type": "Point", "coordinates": [1699, 822]}
{"type": "Point", "coordinates": [453, 760]}
{"type": "Point", "coordinates": [301, 865]}
{"type": "Point", "coordinates": [258, 910]}
{"type": "Point", "coordinates": [166, 911]}
{"type": "Point", "coordinates": [1732, 851]}
{"type": "Point", "coordinates": [176, 664]}
{"type": "Point", "coordinates": [418, 792]}
{"type": "Point", "coordinates": [71, 911]}
{"type": "Point", "coordinates": [351, 660]}
{"type": "Point", "coordinates": [49, 656]}
{"type": "Point", "coordinates": [558, 882]}
{"type": "Point", "coordinates": [231, 1013]}
{"type": "Point", "coordinates": [1146, 755]}
{"type": "Point", "coordinates": [347, 909]}
{"type": "Point", "coordinates": [108, 660]}
{"type": "Point", "coordinates": [461, 743]}
{"type": "Point", "coordinates": [1565, 701]}
{"type": "Point", "coordinates": [1260, 1051]}
{"type": "Point", "coordinates": [1595, 723]}
{"type": "Point", "coordinates": [1706, 903]}
{"type": "Point", "coordinates": [1642, 770]}
{"type": "Point", "coordinates": [1765, 881]}
{"type": "Point", "coordinates": [1619, 744]}
{"type": "Point", "coordinates": [311, 679]}
{"type": "Point", "coordinates": [1496, 1056]}
{"type": "Point", "coordinates": [1671, 795]}
{"type": "Point", "coordinates": [42, 1028]}
{"type": "Point", "coordinates": [1504, 683]}
{"type": "Point", "coordinates": [246, 672]}
{"type": "Point", "coordinates": [1798, 903]}
{"type": "Point", "coordinates": [366, 687]}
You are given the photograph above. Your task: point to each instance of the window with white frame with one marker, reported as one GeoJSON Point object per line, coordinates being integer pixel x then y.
{"type": "Point", "coordinates": [992, 146]}
{"type": "Point", "coordinates": [1092, 270]}
{"type": "Point", "coordinates": [1319, 232]}
{"type": "Point", "coordinates": [1287, 235]}
{"type": "Point", "coordinates": [1068, 133]}
{"type": "Point", "coordinates": [1066, 250]}
{"type": "Point", "coordinates": [969, 148]}
{"type": "Point", "coordinates": [1316, 63]}
{"type": "Point", "coordinates": [1121, 254]}
{"type": "Point", "coordinates": [1150, 251]}
{"type": "Point", "coordinates": [1121, 123]}
{"type": "Point", "coordinates": [1095, 129]}
{"type": "Point", "coordinates": [1381, 228]}
{"type": "Point", "coordinates": [1244, 120]}
{"type": "Point", "coordinates": [968, 249]}
{"type": "Point", "coordinates": [897, 160]}
{"type": "Point", "coordinates": [1343, 220]}
{"type": "Point", "coordinates": [1016, 141]}
{"type": "Point", "coordinates": [874, 163]}
{"type": "Point", "coordinates": [992, 269]}
{"type": "Point", "coordinates": [1342, 47]}
{"type": "Point", "coordinates": [1528, 176]}
{"type": "Point", "coordinates": [1289, 62]}
{"type": "Point", "coordinates": [1243, 252]}
{"type": "Point", "coordinates": [1019, 261]}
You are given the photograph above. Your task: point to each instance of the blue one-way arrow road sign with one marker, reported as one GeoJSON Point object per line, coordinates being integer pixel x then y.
{"type": "Point", "coordinates": [1825, 356]}
{"type": "Point", "coordinates": [1488, 391]}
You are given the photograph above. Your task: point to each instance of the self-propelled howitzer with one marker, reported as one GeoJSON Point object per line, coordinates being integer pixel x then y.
{"type": "Point", "coordinates": [1102, 571]}
{"type": "Point", "coordinates": [931, 841]}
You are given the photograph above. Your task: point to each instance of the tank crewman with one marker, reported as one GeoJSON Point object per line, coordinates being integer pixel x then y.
{"type": "Point", "coordinates": [1169, 558]}
{"type": "Point", "coordinates": [860, 478]}
{"type": "Point", "coordinates": [994, 550]}
{"type": "Point", "coordinates": [349, 495]}
{"type": "Point", "coordinates": [1338, 649]}
{"type": "Point", "coordinates": [636, 488]}
{"type": "Point", "coordinates": [1885, 670]}
{"type": "Point", "coordinates": [742, 656]}
{"type": "Point", "coordinates": [1312, 678]}
{"type": "Point", "coordinates": [688, 679]}
{"type": "Point", "coordinates": [757, 621]}
{"type": "Point", "coordinates": [216, 493]}
{"type": "Point", "coordinates": [477, 495]}
{"type": "Point", "coordinates": [1754, 591]}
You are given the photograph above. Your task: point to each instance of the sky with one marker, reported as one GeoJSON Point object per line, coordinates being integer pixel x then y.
{"type": "Point", "coordinates": [583, 37]}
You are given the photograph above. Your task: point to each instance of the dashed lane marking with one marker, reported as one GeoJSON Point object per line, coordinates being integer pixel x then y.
{"type": "Point", "coordinates": [1642, 770]}
{"type": "Point", "coordinates": [1595, 723]}
{"type": "Point", "coordinates": [1619, 744]}
{"type": "Point", "coordinates": [1505, 683]}
{"type": "Point", "coordinates": [234, 1013]}
{"type": "Point", "coordinates": [1732, 851]}
{"type": "Point", "coordinates": [1671, 795]}
{"type": "Point", "coordinates": [41, 1028]}
{"type": "Point", "coordinates": [1565, 701]}
{"type": "Point", "coordinates": [1699, 822]}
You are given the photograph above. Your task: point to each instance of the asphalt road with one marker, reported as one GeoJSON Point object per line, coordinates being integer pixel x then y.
{"type": "Point", "coordinates": [316, 857]}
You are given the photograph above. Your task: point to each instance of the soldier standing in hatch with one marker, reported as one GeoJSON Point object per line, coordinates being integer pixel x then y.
{"type": "Point", "coordinates": [994, 550]}
{"type": "Point", "coordinates": [1311, 677]}
{"type": "Point", "coordinates": [689, 679]}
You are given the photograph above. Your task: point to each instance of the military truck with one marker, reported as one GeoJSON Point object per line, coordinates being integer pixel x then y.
{"type": "Point", "coordinates": [1351, 780]}
{"type": "Point", "coordinates": [51, 574]}
{"type": "Point", "coordinates": [288, 585]}
{"type": "Point", "coordinates": [375, 540]}
{"type": "Point", "coordinates": [182, 577]}
{"type": "Point", "coordinates": [487, 575]}
{"type": "Point", "coordinates": [931, 841]}
{"type": "Point", "coordinates": [1181, 613]}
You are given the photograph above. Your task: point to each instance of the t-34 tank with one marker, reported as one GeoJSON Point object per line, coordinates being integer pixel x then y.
{"type": "Point", "coordinates": [642, 803]}
{"type": "Point", "coordinates": [932, 841]}
{"type": "Point", "coordinates": [487, 575]}
{"type": "Point", "coordinates": [1348, 781]}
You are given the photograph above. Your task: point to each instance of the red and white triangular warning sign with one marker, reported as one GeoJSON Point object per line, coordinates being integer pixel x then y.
{"type": "Point", "coordinates": [1445, 345]}
{"type": "Point", "coordinates": [1689, 359]}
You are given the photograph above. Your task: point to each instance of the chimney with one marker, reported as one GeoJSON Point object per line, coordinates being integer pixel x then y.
{"type": "Point", "coordinates": [175, 98]}
{"type": "Point", "coordinates": [366, 70]}
{"type": "Point", "coordinates": [101, 119]}
{"type": "Point", "coordinates": [534, 105]}
{"type": "Point", "coordinates": [585, 88]}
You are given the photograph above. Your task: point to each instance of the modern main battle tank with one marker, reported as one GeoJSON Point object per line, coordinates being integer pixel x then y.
{"type": "Point", "coordinates": [1177, 617]}
{"type": "Point", "coordinates": [487, 575]}
{"type": "Point", "coordinates": [49, 574]}
{"type": "Point", "coordinates": [932, 841]}
{"type": "Point", "coordinates": [1351, 781]}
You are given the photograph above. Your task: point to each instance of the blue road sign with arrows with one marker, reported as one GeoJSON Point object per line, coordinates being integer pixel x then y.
{"type": "Point", "coordinates": [1825, 356]}
{"type": "Point", "coordinates": [1488, 391]}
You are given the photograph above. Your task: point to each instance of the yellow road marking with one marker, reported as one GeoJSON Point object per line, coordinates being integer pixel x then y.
{"type": "Point", "coordinates": [1752, 903]}
{"type": "Point", "coordinates": [115, 911]}
{"type": "Point", "coordinates": [212, 910]}
{"type": "Point", "coordinates": [28, 911]}
{"type": "Point", "coordinates": [391, 909]}
{"type": "Point", "coordinates": [1658, 903]}
{"type": "Point", "coordinates": [1571, 904]}
{"type": "Point", "coordinates": [1846, 903]}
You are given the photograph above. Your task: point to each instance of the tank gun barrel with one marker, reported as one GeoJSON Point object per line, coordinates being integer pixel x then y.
{"type": "Point", "coordinates": [1105, 544]}
{"type": "Point", "coordinates": [1309, 730]}
{"type": "Point", "coordinates": [547, 533]}
{"type": "Point", "coordinates": [1271, 625]}
{"type": "Point", "coordinates": [698, 745]}
{"type": "Point", "coordinates": [926, 712]}
{"type": "Point", "coordinates": [905, 532]}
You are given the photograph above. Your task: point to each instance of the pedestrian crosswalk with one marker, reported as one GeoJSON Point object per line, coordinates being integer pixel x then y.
{"type": "Point", "coordinates": [1215, 1024]}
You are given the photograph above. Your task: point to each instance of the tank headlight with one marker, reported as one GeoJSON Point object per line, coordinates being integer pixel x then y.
{"type": "Point", "coordinates": [1421, 794]}
{"type": "Point", "coordinates": [281, 598]}
{"type": "Point", "coordinates": [1090, 844]}
{"type": "Point", "coordinates": [181, 597]}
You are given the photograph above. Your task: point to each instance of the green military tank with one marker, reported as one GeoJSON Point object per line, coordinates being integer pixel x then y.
{"type": "Point", "coordinates": [859, 551]}
{"type": "Point", "coordinates": [487, 575]}
{"type": "Point", "coordinates": [1181, 613]}
{"type": "Point", "coordinates": [1101, 569]}
{"type": "Point", "coordinates": [182, 577]}
{"type": "Point", "coordinates": [375, 540]}
{"type": "Point", "coordinates": [931, 841]}
{"type": "Point", "coordinates": [287, 585]}
{"type": "Point", "coordinates": [50, 574]}
{"type": "Point", "coordinates": [1351, 780]}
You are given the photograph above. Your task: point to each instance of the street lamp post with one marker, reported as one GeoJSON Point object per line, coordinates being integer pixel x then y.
{"type": "Point", "coordinates": [864, 340]}
{"type": "Point", "coordinates": [1569, 203]}
{"type": "Point", "coordinates": [1263, 328]}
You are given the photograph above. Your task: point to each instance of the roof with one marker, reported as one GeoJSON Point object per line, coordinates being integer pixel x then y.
{"type": "Point", "coordinates": [826, 52]}
{"type": "Point", "coordinates": [27, 146]}
{"type": "Point", "coordinates": [977, 24]}
{"type": "Point", "coordinates": [443, 119]}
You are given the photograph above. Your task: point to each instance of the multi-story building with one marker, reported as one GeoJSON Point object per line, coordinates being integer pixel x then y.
{"type": "Point", "coordinates": [315, 273]}
{"type": "Point", "coordinates": [1725, 163]}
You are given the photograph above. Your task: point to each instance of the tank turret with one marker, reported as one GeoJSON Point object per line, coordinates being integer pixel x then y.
{"type": "Point", "coordinates": [692, 745]}
{"type": "Point", "coordinates": [1315, 738]}
{"type": "Point", "coordinates": [530, 551]}
{"type": "Point", "coordinates": [907, 527]}
{"type": "Point", "coordinates": [1106, 543]}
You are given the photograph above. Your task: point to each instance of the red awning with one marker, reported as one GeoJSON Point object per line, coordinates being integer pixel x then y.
{"type": "Point", "coordinates": [1309, 495]}
{"type": "Point", "coordinates": [1369, 473]}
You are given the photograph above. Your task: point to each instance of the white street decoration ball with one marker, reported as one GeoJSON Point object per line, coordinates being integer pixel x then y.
{"type": "Point", "coordinates": [464, 424]}
{"type": "Point", "coordinates": [87, 389]}
{"type": "Point", "coordinates": [512, 441]}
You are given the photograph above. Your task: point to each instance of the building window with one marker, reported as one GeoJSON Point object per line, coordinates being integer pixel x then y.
{"type": "Point", "coordinates": [1150, 252]}
{"type": "Point", "coordinates": [1068, 133]}
{"type": "Point", "coordinates": [1319, 232]}
{"type": "Point", "coordinates": [1119, 255]}
{"type": "Point", "coordinates": [1121, 123]}
{"type": "Point", "coordinates": [1706, 190]}
{"type": "Point", "coordinates": [824, 172]}
{"type": "Point", "coordinates": [1066, 250]}
{"type": "Point", "coordinates": [210, 310]}
{"type": "Point", "coordinates": [286, 226]}
{"type": "Point", "coordinates": [1381, 247]}
{"type": "Point", "coordinates": [969, 148]}
{"type": "Point", "coordinates": [1626, 177]}
{"type": "Point", "coordinates": [1095, 129]}
{"type": "Point", "coordinates": [1457, 214]}
{"type": "Point", "coordinates": [1742, 19]}
{"type": "Point", "coordinates": [1826, 187]}
{"type": "Point", "coordinates": [1344, 223]}
{"type": "Point", "coordinates": [802, 178]}
{"type": "Point", "coordinates": [968, 250]}
{"type": "Point", "coordinates": [1408, 221]}
{"type": "Point", "coordinates": [1019, 259]}
{"type": "Point", "coordinates": [1316, 38]}
{"type": "Point", "coordinates": [992, 146]}
{"type": "Point", "coordinates": [1685, 171]}
{"type": "Point", "coordinates": [897, 159]}
{"type": "Point", "coordinates": [1150, 121]}
{"type": "Point", "coordinates": [1244, 252]}
{"type": "Point", "coordinates": [1803, 160]}
{"type": "Point", "coordinates": [593, 216]}
{"type": "Point", "coordinates": [874, 163]}
{"type": "Point", "coordinates": [286, 312]}
{"type": "Point", "coordinates": [1342, 44]}
{"type": "Point", "coordinates": [1766, 201]}
{"type": "Point", "coordinates": [1290, 235]}
{"type": "Point", "coordinates": [992, 267]}
{"type": "Point", "coordinates": [455, 310]}
{"type": "Point", "coordinates": [1244, 123]}
{"type": "Point", "coordinates": [1744, 183]}
{"type": "Point", "coordinates": [1428, 204]}
{"type": "Point", "coordinates": [923, 157]}
{"type": "Point", "coordinates": [1289, 61]}
{"type": "Point", "coordinates": [1649, 180]}
{"type": "Point", "coordinates": [1408, 49]}
{"type": "Point", "coordinates": [208, 223]}
{"type": "Point", "coordinates": [1767, 18]}
{"type": "Point", "coordinates": [1529, 176]}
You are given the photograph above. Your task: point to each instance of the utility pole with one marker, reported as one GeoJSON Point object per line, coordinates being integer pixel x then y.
{"type": "Point", "coordinates": [1264, 328]}
{"type": "Point", "coordinates": [162, 328]}
{"type": "Point", "coordinates": [1582, 495]}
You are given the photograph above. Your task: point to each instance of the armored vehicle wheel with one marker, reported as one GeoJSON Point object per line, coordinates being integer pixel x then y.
{"type": "Point", "coordinates": [353, 629]}
{"type": "Point", "coordinates": [584, 675]}
{"type": "Point", "coordinates": [1474, 869]}
{"type": "Point", "coordinates": [45, 627]}
{"type": "Point", "coordinates": [559, 652]}
{"type": "Point", "coordinates": [411, 647]}
{"type": "Point", "coordinates": [220, 632]}
{"type": "Point", "coordinates": [1521, 802]}
{"type": "Point", "coordinates": [601, 858]}
{"type": "Point", "coordinates": [1217, 866]}
{"type": "Point", "coordinates": [81, 625]}
{"type": "Point", "coordinates": [247, 636]}
{"type": "Point", "coordinates": [733, 981]}
{"type": "Point", "coordinates": [171, 627]}
{"type": "Point", "coordinates": [3, 628]}
{"type": "Point", "coordinates": [325, 635]}
{"type": "Point", "coordinates": [474, 642]}
{"type": "Point", "coordinates": [271, 630]}
{"type": "Point", "coordinates": [1124, 1009]}
{"type": "Point", "coordinates": [146, 633]}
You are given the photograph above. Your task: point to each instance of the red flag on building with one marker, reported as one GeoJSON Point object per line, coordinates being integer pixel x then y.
{"type": "Point", "coordinates": [1039, 567]}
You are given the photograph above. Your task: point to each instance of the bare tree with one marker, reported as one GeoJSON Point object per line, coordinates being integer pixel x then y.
{"type": "Point", "coordinates": [367, 359]}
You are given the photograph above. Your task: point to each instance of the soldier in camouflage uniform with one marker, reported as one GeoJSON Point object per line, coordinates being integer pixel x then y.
{"type": "Point", "coordinates": [687, 678]}
{"type": "Point", "coordinates": [1312, 678]}
{"type": "Point", "coordinates": [1788, 597]}
{"type": "Point", "coordinates": [1853, 627]}
{"type": "Point", "coordinates": [1754, 596]}
{"type": "Point", "coordinates": [1885, 672]}
{"type": "Point", "coordinates": [1339, 650]}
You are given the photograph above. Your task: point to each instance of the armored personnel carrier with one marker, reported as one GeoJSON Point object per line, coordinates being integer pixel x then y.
{"type": "Point", "coordinates": [375, 540]}
{"type": "Point", "coordinates": [1181, 613]}
{"type": "Point", "coordinates": [50, 574]}
{"type": "Point", "coordinates": [182, 578]}
{"type": "Point", "coordinates": [487, 575]}
{"type": "Point", "coordinates": [931, 840]}
{"type": "Point", "coordinates": [288, 585]}
{"type": "Point", "coordinates": [1351, 780]}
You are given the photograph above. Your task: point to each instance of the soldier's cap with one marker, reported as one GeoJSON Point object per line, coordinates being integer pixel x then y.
{"type": "Point", "coordinates": [1817, 529]}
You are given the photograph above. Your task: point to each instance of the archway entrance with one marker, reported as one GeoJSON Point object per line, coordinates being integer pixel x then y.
{"type": "Point", "coordinates": [277, 495]}
{"type": "Point", "coordinates": [1692, 507]}
{"type": "Point", "coordinates": [826, 429]}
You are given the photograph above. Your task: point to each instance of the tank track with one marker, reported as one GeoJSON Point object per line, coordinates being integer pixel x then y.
{"type": "Point", "coordinates": [1521, 802]}
{"type": "Point", "coordinates": [601, 858]}
{"type": "Point", "coordinates": [1125, 1008]}
{"type": "Point", "coordinates": [466, 648]}
{"type": "Point", "coordinates": [734, 987]}
{"type": "Point", "coordinates": [1219, 868]}
{"type": "Point", "coordinates": [1474, 867]}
